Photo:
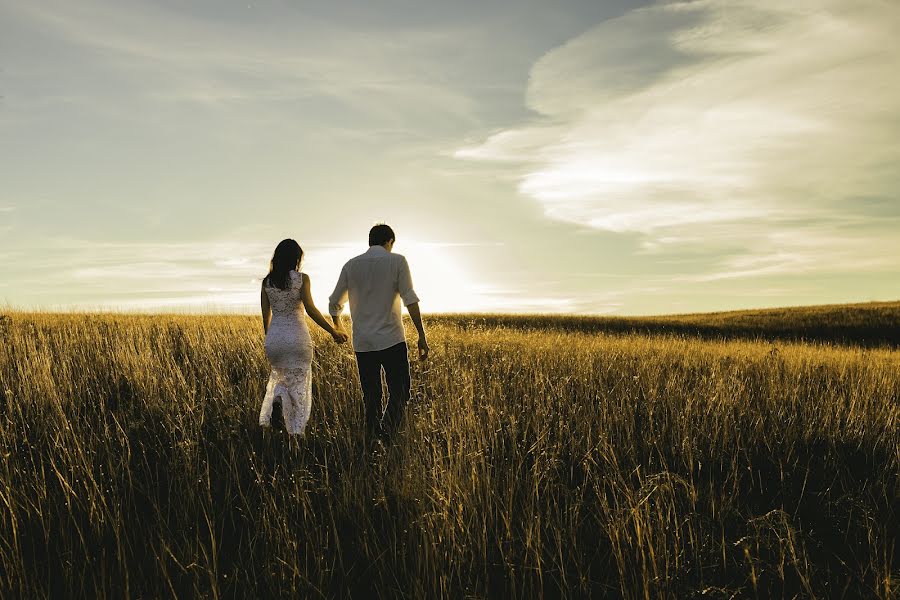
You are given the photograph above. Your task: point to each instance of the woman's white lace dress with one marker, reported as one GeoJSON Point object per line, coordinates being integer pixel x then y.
{"type": "Point", "coordinates": [290, 351]}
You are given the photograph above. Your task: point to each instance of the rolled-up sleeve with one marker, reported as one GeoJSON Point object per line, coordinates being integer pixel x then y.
{"type": "Point", "coordinates": [405, 285]}
{"type": "Point", "coordinates": [339, 295]}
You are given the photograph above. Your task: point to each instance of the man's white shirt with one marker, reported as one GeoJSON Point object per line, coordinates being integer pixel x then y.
{"type": "Point", "coordinates": [375, 283]}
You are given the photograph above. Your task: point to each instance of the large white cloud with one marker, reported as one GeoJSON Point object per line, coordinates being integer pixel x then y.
{"type": "Point", "coordinates": [755, 126]}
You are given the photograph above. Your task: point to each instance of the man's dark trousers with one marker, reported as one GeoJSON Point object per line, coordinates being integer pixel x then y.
{"type": "Point", "coordinates": [395, 362]}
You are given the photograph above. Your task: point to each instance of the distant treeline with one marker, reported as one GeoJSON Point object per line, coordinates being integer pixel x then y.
{"type": "Point", "coordinates": [873, 324]}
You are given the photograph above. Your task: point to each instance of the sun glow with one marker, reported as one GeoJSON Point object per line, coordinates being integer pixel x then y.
{"type": "Point", "coordinates": [440, 278]}
{"type": "Point", "coordinates": [196, 277]}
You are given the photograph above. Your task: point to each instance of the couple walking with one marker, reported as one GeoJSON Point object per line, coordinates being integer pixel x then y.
{"type": "Point", "coordinates": [375, 283]}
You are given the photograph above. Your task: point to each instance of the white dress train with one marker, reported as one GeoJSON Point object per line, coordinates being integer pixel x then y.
{"type": "Point", "coordinates": [290, 351]}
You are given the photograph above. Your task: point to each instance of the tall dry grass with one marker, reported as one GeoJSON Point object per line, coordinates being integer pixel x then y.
{"type": "Point", "coordinates": [532, 463]}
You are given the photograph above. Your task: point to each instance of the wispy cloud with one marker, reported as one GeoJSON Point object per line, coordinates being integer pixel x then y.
{"type": "Point", "coordinates": [515, 300]}
{"type": "Point", "coordinates": [166, 55]}
{"type": "Point", "coordinates": [219, 275]}
{"type": "Point", "coordinates": [752, 129]}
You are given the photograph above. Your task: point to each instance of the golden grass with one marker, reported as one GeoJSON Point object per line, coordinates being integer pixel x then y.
{"type": "Point", "coordinates": [550, 462]}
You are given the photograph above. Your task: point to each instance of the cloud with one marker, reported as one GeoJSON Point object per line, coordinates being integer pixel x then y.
{"type": "Point", "coordinates": [516, 300]}
{"type": "Point", "coordinates": [167, 55]}
{"type": "Point", "coordinates": [755, 129]}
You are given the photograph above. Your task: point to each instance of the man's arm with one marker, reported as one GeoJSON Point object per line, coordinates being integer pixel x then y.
{"type": "Point", "coordinates": [416, 317]}
{"type": "Point", "coordinates": [411, 301]}
{"type": "Point", "coordinates": [338, 298]}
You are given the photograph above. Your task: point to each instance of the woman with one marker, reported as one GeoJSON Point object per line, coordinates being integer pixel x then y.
{"type": "Point", "coordinates": [285, 293]}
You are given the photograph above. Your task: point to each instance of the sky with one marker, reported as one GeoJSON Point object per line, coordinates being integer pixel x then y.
{"type": "Point", "coordinates": [584, 156]}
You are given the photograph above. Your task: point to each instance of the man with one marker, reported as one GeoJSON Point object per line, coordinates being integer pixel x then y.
{"type": "Point", "coordinates": [375, 283]}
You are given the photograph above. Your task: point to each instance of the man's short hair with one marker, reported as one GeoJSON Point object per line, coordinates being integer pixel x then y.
{"type": "Point", "coordinates": [380, 235]}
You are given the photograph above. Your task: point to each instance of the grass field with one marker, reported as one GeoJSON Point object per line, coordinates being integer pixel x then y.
{"type": "Point", "coordinates": [541, 457]}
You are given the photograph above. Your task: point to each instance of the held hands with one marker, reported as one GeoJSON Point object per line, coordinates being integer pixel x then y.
{"type": "Point", "coordinates": [339, 336]}
{"type": "Point", "coordinates": [423, 348]}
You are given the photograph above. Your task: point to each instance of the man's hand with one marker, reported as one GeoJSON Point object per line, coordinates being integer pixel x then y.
{"type": "Point", "coordinates": [423, 348]}
{"type": "Point", "coordinates": [339, 336]}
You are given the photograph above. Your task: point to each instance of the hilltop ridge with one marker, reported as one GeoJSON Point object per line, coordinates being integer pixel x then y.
{"type": "Point", "coordinates": [869, 324]}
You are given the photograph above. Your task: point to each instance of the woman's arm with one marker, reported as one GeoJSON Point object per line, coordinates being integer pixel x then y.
{"type": "Point", "coordinates": [339, 336]}
{"type": "Point", "coordinates": [266, 309]}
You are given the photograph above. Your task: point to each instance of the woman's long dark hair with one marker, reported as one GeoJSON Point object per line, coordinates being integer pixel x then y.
{"type": "Point", "coordinates": [286, 258]}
